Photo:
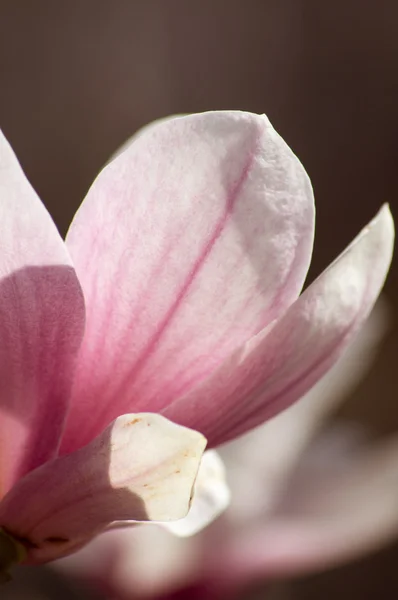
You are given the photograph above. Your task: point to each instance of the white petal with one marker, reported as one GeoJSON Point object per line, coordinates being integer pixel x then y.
{"type": "Point", "coordinates": [211, 497]}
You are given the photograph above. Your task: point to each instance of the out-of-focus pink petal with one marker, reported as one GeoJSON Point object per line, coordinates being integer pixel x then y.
{"type": "Point", "coordinates": [41, 326]}
{"type": "Point", "coordinates": [144, 562]}
{"type": "Point", "coordinates": [280, 365]}
{"type": "Point", "coordinates": [336, 516]}
{"type": "Point", "coordinates": [142, 467]}
{"type": "Point", "coordinates": [189, 243]}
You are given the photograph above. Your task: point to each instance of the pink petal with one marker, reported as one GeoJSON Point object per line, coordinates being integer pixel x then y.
{"type": "Point", "coordinates": [335, 517]}
{"type": "Point", "coordinates": [280, 365]}
{"type": "Point", "coordinates": [189, 242]}
{"type": "Point", "coordinates": [142, 467]}
{"type": "Point", "coordinates": [259, 465]}
{"type": "Point", "coordinates": [144, 562]}
{"type": "Point", "coordinates": [41, 326]}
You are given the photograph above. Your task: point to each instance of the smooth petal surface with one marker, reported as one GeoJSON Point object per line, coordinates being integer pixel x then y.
{"type": "Point", "coordinates": [280, 365]}
{"type": "Point", "coordinates": [260, 462]}
{"type": "Point", "coordinates": [142, 467]}
{"type": "Point", "coordinates": [265, 472]}
{"type": "Point", "coordinates": [189, 243]}
{"type": "Point", "coordinates": [336, 513]}
{"type": "Point", "coordinates": [41, 326]}
{"type": "Point", "coordinates": [144, 562]}
{"type": "Point", "coordinates": [211, 497]}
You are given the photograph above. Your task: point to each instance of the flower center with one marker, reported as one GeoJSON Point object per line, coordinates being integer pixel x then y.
{"type": "Point", "coordinates": [12, 552]}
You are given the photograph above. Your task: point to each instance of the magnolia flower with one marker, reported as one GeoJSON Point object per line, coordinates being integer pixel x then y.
{"type": "Point", "coordinates": [175, 293]}
{"type": "Point", "coordinates": [301, 501]}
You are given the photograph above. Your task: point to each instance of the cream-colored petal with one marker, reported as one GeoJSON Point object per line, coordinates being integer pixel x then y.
{"type": "Point", "coordinates": [142, 467]}
{"type": "Point", "coordinates": [211, 497]}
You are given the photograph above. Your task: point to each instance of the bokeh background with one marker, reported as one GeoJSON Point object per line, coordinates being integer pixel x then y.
{"type": "Point", "coordinates": [78, 77]}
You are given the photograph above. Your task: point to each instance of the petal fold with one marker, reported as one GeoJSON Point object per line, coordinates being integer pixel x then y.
{"type": "Point", "coordinates": [41, 326]}
{"type": "Point", "coordinates": [143, 467]}
{"type": "Point", "coordinates": [188, 243]}
{"type": "Point", "coordinates": [211, 497]}
{"type": "Point", "coordinates": [281, 364]}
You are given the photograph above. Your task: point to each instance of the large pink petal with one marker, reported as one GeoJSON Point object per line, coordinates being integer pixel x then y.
{"type": "Point", "coordinates": [189, 242]}
{"type": "Point", "coordinates": [41, 326]}
{"type": "Point", "coordinates": [142, 467]}
{"type": "Point", "coordinates": [277, 367]}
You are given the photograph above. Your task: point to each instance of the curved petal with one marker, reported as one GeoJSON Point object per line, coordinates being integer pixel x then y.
{"type": "Point", "coordinates": [280, 365]}
{"type": "Point", "coordinates": [189, 242]}
{"type": "Point", "coordinates": [336, 516]}
{"type": "Point", "coordinates": [258, 463]}
{"type": "Point", "coordinates": [211, 497]}
{"type": "Point", "coordinates": [41, 326]}
{"type": "Point", "coordinates": [142, 467]}
{"type": "Point", "coordinates": [141, 131]}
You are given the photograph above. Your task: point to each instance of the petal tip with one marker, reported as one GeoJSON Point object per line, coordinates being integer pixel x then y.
{"type": "Point", "coordinates": [381, 232]}
{"type": "Point", "coordinates": [385, 220]}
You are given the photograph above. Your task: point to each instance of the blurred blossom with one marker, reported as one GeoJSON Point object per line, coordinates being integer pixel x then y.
{"type": "Point", "coordinates": [302, 499]}
{"type": "Point", "coordinates": [176, 296]}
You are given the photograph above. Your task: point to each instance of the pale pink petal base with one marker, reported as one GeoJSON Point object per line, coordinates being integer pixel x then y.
{"type": "Point", "coordinates": [280, 365]}
{"type": "Point", "coordinates": [41, 326]}
{"type": "Point", "coordinates": [200, 233]}
{"type": "Point", "coordinates": [142, 467]}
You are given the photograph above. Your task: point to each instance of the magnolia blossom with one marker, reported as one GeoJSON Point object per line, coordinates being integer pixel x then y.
{"type": "Point", "coordinates": [176, 294]}
{"type": "Point", "coordinates": [302, 499]}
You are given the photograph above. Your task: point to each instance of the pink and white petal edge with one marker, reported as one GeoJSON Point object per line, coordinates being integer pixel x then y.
{"type": "Point", "coordinates": [278, 366]}
{"type": "Point", "coordinates": [41, 326]}
{"type": "Point", "coordinates": [142, 467]}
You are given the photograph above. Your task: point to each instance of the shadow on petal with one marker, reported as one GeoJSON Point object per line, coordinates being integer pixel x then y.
{"type": "Point", "coordinates": [41, 328]}
{"type": "Point", "coordinates": [141, 468]}
{"type": "Point", "coordinates": [60, 506]}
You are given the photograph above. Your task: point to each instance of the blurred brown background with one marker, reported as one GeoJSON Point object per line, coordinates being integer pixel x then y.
{"type": "Point", "coordinates": [80, 76]}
